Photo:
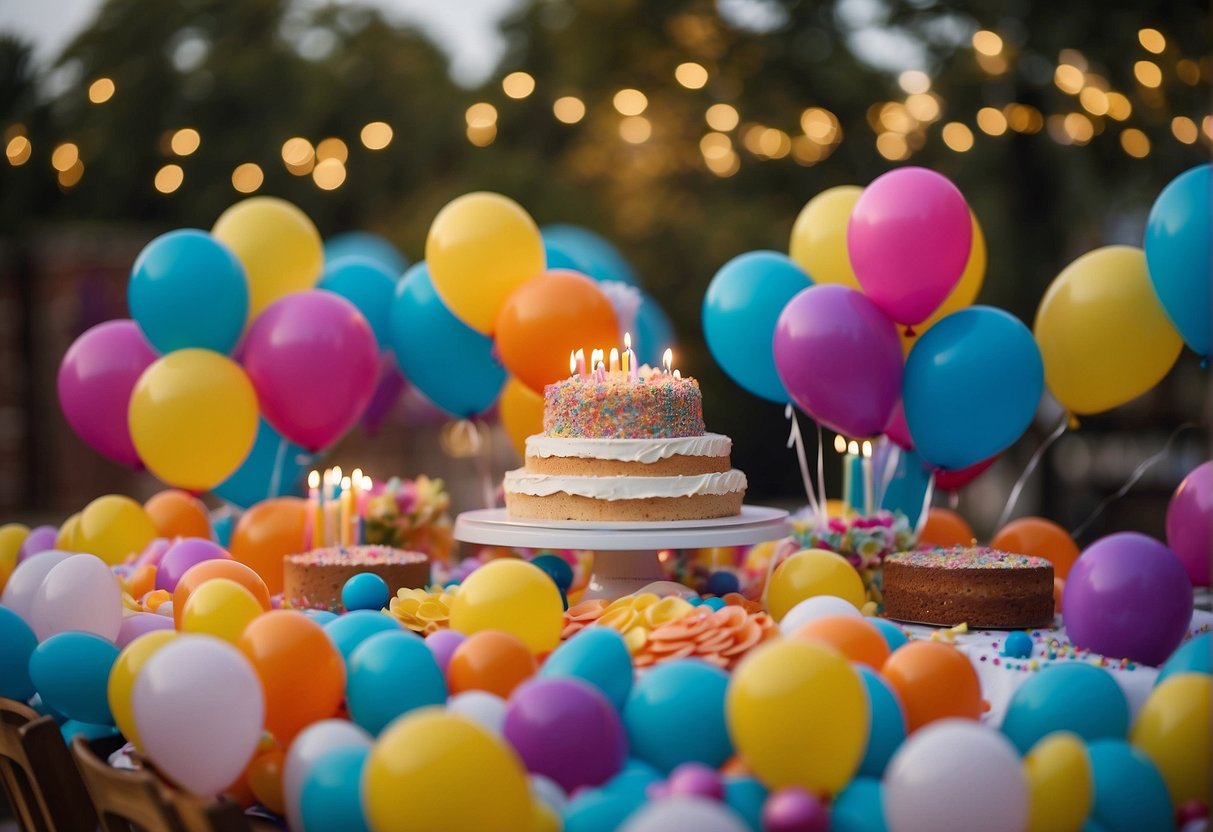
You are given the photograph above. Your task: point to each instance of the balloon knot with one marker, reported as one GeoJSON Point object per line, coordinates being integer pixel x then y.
{"type": "Point", "coordinates": [910, 333]}
{"type": "Point", "coordinates": [1074, 424]}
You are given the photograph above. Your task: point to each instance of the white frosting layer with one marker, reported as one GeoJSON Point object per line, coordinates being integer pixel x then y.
{"type": "Point", "coordinates": [629, 450]}
{"type": "Point", "coordinates": [521, 481]}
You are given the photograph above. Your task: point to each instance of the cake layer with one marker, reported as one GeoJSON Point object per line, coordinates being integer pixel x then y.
{"type": "Point", "coordinates": [314, 580]}
{"type": "Point", "coordinates": [660, 406]}
{"type": "Point", "coordinates": [629, 450]}
{"type": "Point", "coordinates": [522, 481]}
{"type": "Point", "coordinates": [572, 466]}
{"type": "Point", "coordinates": [562, 506]}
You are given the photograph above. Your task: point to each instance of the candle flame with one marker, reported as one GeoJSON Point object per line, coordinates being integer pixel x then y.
{"type": "Point", "coordinates": [596, 357]}
{"type": "Point", "coordinates": [627, 340]}
{"type": "Point", "coordinates": [852, 447]}
{"type": "Point", "coordinates": [366, 483]}
{"type": "Point", "coordinates": [357, 476]}
{"type": "Point", "coordinates": [677, 374]}
{"type": "Point", "coordinates": [336, 473]}
{"type": "Point", "coordinates": [572, 362]}
{"type": "Point", "coordinates": [867, 449]}
{"type": "Point", "coordinates": [313, 479]}
{"type": "Point", "coordinates": [345, 483]}
{"type": "Point", "coordinates": [840, 444]}
{"type": "Point", "coordinates": [667, 359]}
{"type": "Point", "coordinates": [614, 358]}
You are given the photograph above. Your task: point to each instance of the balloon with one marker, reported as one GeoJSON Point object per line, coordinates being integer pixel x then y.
{"type": "Point", "coordinates": [956, 775]}
{"type": "Point", "coordinates": [391, 674]}
{"type": "Point", "coordinates": [490, 660]}
{"type": "Point", "coordinates": [39, 539]}
{"type": "Point", "coordinates": [893, 634]}
{"type": "Point", "coordinates": [330, 796]}
{"type": "Point", "coordinates": [72, 727]}
{"type": "Point", "coordinates": [17, 643]}
{"type": "Point", "coordinates": [208, 570]}
{"type": "Point", "coordinates": [80, 593]}
{"type": "Point", "coordinates": [1059, 783]}
{"type": "Point", "coordinates": [685, 812]}
{"type": "Point", "coordinates": [1179, 253]}
{"type": "Point", "coordinates": [654, 332]}
{"type": "Point", "coordinates": [934, 681]}
{"type": "Point", "coordinates": [369, 286]}
{"type": "Point", "coordinates": [444, 358]}
{"type": "Point", "coordinates": [1194, 656]}
{"type": "Point", "coordinates": [957, 479]}
{"type": "Point", "coordinates": [1128, 595]}
{"type": "Point", "coordinates": [675, 714]}
{"type": "Point", "coordinates": [121, 685]}
{"type": "Point", "coordinates": [859, 807]}
{"type": "Point", "coordinates": [514, 597]}
{"type": "Point", "coordinates": [12, 537]}
{"type": "Point", "coordinates": [906, 488]}
{"type": "Point", "coordinates": [180, 711]}
{"type": "Point", "coordinates": [1130, 794]}
{"type": "Point", "coordinates": [945, 528]}
{"type": "Point", "coordinates": [819, 236]}
{"type": "Point", "coordinates": [587, 252]}
{"type": "Point", "coordinates": [313, 360]}
{"type": "Point", "coordinates": [972, 384]}
{"type": "Point", "coordinates": [389, 385]}
{"type": "Point", "coordinates": [1172, 728]}
{"type": "Point", "coordinates": [888, 723]}
{"type": "Point", "coordinates": [814, 608]}
{"type": "Point", "coordinates": [854, 638]}
{"type": "Point", "coordinates": [277, 244]}
{"type": "Point", "coordinates": [443, 643]}
{"type": "Point", "coordinates": [600, 810]}
{"type": "Point", "coordinates": [365, 591]}
{"type": "Point", "coordinates": [599, 656]}
{"type": "Point", "coordinates": [1041, 538]}
{"type": "Point", "coordinates": [315, 743]}
{"type": "Point", "coordinates": [267, 533]}
{"type": "Point", "coordinates": [422, 770]}
{"type": "Point", "coordinates": [808, 573]}
{"type": "Point", "coordinates": [485, 709]}
{"type": "Point", "coordinates": [264, 776]}
{"type": "Point", "coordinates": [113, 527]}
{"type": "Point", "coordinates": [1075, 697]}
{"type": "Point", "coordinates": [221, 608]}
{"type": "Point", "coordinates": [301, 672]}
{"type": "Point", "coordinates": [1102, 333]}
{"type": "Point", "coordinates": [178, 514]}
{"type": "Point", "coordinates": [838, 357]}
{"type": "Point", "coordinates": [1189, 518]}
{"type": "Point", "coordinates": [23, 584]}
{"type": "Point", "coordinates": [140, 624]}
{"type": "Point", "coordinates": [963, 293]}
{"type": "Point", "coordinates": [364, 244]}
{"type": "Point", "coordinates": [795, 810]}
{"type": "Point", "coordinates": [274, 467]}
{"type": "Point", "coordinates": [96, 377]}
{"type": "Point", "coordinates": [481, 246]}
{"type": "Point", "coordinates": [545, 319]}
{"type": "Point", "coordinates": [521, 410]}
{"type": "Point", "coordinates": [70, 671]}
{"type": "Point", "coordinates": [187, 552]}
{"type": "Point", "coordinates": [187, 289]}
{"type": "Point", "coordinates": [349, 631]}
{"type": "Point", "coordinates": [742, 304]}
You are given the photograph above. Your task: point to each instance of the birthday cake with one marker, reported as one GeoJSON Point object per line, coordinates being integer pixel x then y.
{"type": "Point", "coordinates": [314, 580]}
{"type": "Point", "coordinates": [969, 585]}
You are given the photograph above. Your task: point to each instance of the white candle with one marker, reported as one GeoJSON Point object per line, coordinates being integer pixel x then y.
{"type": "Point", "coordinates": [867, 479]}
{"type": "Point", "coordinates": [581, 363]}
{"type": "Point", "coordinates": [614, 365]}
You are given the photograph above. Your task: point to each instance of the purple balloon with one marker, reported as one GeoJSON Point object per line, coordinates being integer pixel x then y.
{"type": "Point", "coordinates": [153, 552]}
{"type": "Point", "coordinates": [388, 387]}
{"type": "Point", "coordinates": [839, 358]}
{"type": "Point", "coordinates": [139, 624]}
{"type": "Point", "coordinates": [313, 361]}
{"type": "Point", "coordinates": [1190, 523]}
{"type": "Point", "coordinates": [442, 644]}
{"type": "Point", "coordinates": [39, 539]}
{"type": "Point", "coordinates": [96, 378]}
{"type": "Point", "coordinates": [1128, 596]}
{"type": "Point", "coordinates": [909, 238]}
{"type": "Point", "coordinates": [695, 780]}
{"type": "Point", "coordinates": [186, 552]}
{"type": "Point", "coordinates": [794, 810]}
{"type": "Point", "coordinates": [567, 730]}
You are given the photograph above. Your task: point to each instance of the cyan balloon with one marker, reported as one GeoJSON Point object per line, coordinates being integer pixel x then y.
{"type": "Point", "coordinates": [367, 284]}
{"type": "Point", "coordinates": [448, 361]}
{"type": "Point", "coordinates": [888, 726]}
{"type": "Point", "coordinates": [675, 714]}
{"type": "Point", "coordinates": [17, 643]}
{"type": "Point", "coordinates": [654, 332]}
{"type": "Point", "coordinates": [592, 253]}
{"type": "Point", "coordinates": [557, 258]}
{"type": "Point", "coordinates": [187, 289]}
{"type": "Point", "coordinates": [1193, 656]}
{"type": "Point", "coordinates": [1179, 254]}
{"type": "Point", "coordinates": [391, 674]}
{"type": "Point", "coordinates": [71, 671]}
{"type": "Point", "coordinates": [331, 796]}
{"type": "Point", "coordinates": [971, 386]}
{"type": "Point", "coordinates": [740, 309]}
{"type": "Point", "coordinates": [365, 244]}
{"type": "Point", "coordinates": [907, 488]}
{"type": "Point", "coordinates": [1130, 794]}
{"type": "Point", "coordinates": [1067, 696]}
{"type": "Point", "coordinates": [746, 796]}
{"type": "Point", "coordinates": [599, 656]}
{"type": "Point", "coordinates": [859, 807]}
{"type": "Point", "coordinates": [275, 467]}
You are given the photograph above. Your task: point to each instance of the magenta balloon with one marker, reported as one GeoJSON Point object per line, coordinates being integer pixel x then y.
{"type": "Point", "coordinates": [897, 430]}
{"type": "Point", "coordinates": [1190, 521]}
{"type": "Point", "coordinates": [958, 479]}
{"type": "Point", "coordinates": [185, 553]}
{"type": "Point", "coordinates": [909, 238]}
{"type": "Point", "coordinates": [140, 624]}
{"type": "Point", "coordinates": [313, 361]}
{"type": "Point", "coordinates": [839, 358]}
{"type": "Point", "coordinates": [96, 378]}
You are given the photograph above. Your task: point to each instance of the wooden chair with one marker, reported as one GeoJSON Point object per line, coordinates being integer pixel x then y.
{"type": "Point", "coordinates": [36, 771]}
{"type": "Point", "coordinates": [125, 799]}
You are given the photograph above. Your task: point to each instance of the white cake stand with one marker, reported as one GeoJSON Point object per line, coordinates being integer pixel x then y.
{"type": "Point", "coordinates": [625, 553]}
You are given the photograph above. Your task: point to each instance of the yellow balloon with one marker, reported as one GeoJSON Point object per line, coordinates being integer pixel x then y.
{"type": "Point", "coordinates": [819, 236]}
{"type": "Point", "coordinates": [545, 819]}
{"type": "Point", "coordinates": [481, 247]}
{"type": "Point", "coordinates": [193, 418]}
{"type": "Point", "coordinates": [798, 716]}
{"type": "Point", "coordinates": [67, 534]}
{"type": "Point", "coordinates": [278, 245]}
{"type": "Point", "coordinates": [812, 572]}
{"type": "Point", "coordinates": [1102, 332]}
{"type": "Point", "coordinates": [113, 528]}
{"type": "Point", "coordinates": [220, 607]}
{"type": "Point", "coordinates": [521, 411]}
{"type": "Point", "coordinates": [123, 675]}
{"type": "Point", "coordinates": [513, 596]}
{"type": "Point", "coordinates": [963, 293]}
{"type": "Point", "coordinates": [1060, 788]}
{"type": "Point", "coordinates": [12, 535]}
{"type": "Point", "coordinates": [442, 772]}
{"type": "Point", "coordinates": [1173, 730]}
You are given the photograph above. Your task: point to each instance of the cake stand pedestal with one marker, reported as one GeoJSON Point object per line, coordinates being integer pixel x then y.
{"type": "Point", "coordinates": [625, 553]}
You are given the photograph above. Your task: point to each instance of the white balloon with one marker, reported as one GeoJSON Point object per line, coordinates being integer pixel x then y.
{"type": "Point", "coordinates": [550, 792]}
{"type": "Point", "coordinates": [819, 606]}
{"type": "Point", "coordinates": [684, 812]}
{"type": "Point", "coordinates": [956, 775]}
{"type": "Point", "coordinates": [484, 708]}
{"type": "Point", "coordinates": [312, 743]}
{"type": "Point", "coordinates": [27, 577]}
{"type": "Point", "coordinates": [78, 593]}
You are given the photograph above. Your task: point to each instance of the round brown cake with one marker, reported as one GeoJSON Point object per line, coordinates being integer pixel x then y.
{"type": "Point", "coordinates": [980, 587]}
{"type": "Point", "coordinates": [314, 580]}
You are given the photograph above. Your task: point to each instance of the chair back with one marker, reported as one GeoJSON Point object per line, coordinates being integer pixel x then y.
{"type": "Point", "coordinates": [124, 799]}
{"type": "Point", "coordinates": [37, 774]}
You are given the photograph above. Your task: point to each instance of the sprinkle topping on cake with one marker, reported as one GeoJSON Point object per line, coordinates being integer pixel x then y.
{"type": "Point", "coordinates": [967, 557]}
{"type": "Point", "coordinates": [661, 406]}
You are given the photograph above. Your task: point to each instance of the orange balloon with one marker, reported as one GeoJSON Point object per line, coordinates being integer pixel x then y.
{"type": "Point", "coordinates": [1059, 589]}
{"type": "Point", "coordinates": [175, 513]}
{"type": "Point", "coordinates": [521, 410]}
{"type": "Point", "coordinates": [490, 660]}
{"type": "Point", "coordinates": [264, 778]}
{"type": "Point", "coordinates": [946, 528]}
{"type": "Point", "coordinates": [142, 581]}
{"type": "Point", "coordinates": [934, 681]}
{"type": "Point", "coordinates": [267, 533]}
{"type": "Point", "coordinates": [855, 638]}
{"type": "Point", "coordinates": [1042, 538]}
{"type": "Point", "coordinates": [200, 573]}
{"type": "Point", "coordinates": [548, 317]}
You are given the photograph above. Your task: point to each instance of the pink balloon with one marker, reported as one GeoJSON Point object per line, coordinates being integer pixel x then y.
{"type": "Point", "coordinates": [897, 430]}
{"type": "Point", "coordinates": [1189, 519]}
{"type": "Point", "coordinates": [96, 378]}
{"type": "Point", "coordinates": [313, 360]}
{"type": "Point", "coordinates": [909, 237]}
{"type": "Point", "coordinates": [958, 479]}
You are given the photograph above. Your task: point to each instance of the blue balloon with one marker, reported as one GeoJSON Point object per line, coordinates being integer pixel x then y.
{"type": "Point", "coordinates": [321, 617]}
{"type": "Point", "coordinates": [187, 289]}
{"type": "Point", "coordinates": [598, 810]}
{"type": "Point", "coordinates": [17, 643]}
{"type": "Point", "coordinates": [859, 807]}
{"type": "Point", "coordinates": [71, 672]}
{"type": "Point", "coordinates": [72, 727]}
{"type": "Point", "coordinates": [43, 709]}
{"type": "Point", "coordinates": [894, 636]}
{"type": "Point", "coordinates": [740, 309]}
{"type": "Point", "coordinates": [275, 467]}
{"type": "Point", "coordinates": [907, 490]}
{"type": "Point", "coordinates": [556, 258]}
{"type": "Point", "coordinates": [971, 386]}
{"type": "Point", "coordinates": [364, 244]}
{"type": "Point", "coordinates": [447, 360]}
{"type": "Point", "coordinates": [654, 332]}
{"type": "Point", "coordinates": [365, 591]}
{"type": "Point", "coordinates": [591, 253]}
{"type": "Point", "coordinates": [888, 723]}
{"type": "Point", "coordinates": [1193, 656]}
{"type": "Point", "coordinates": [746, 796]}
{"type": "Point", "coordinates": [1067, 696]}
{"type": "Point", "coordinates": [1130, 794]}
{"type": "Point", "coordinates": [330, 796]}
{"type": "Point", "coordinates": [391, 674]}
{"type": "Point", "coordinates": [675, 715]}
{"type": "Point", "coordinates": [347, 632]}
{"type": "Point", "coordinates": [597, 655]}
{"type": "Point", "coordinates": [633, 779]}
{"type": "Point", "coordinates": [369, 286]}
{"type": "Point", "coordinates": [556, 568]}
{"type": "Point", "coordinates": [1179, 254]}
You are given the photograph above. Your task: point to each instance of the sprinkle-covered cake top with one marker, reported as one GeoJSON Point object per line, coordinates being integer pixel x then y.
{"type": "Point", "coordinates": [967, 557]}
{"type": "Point", "coordinates": [357, 556]}
{"type": "Point", "coordinates": [660, 405]}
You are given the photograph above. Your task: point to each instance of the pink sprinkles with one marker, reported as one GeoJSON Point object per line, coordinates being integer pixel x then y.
{"type": "Point", "coordinates": [662, 406]}
{"type": "Point", "coordinates": [968, 557]}
{"type": "Point", "coordinates": [357, 556]}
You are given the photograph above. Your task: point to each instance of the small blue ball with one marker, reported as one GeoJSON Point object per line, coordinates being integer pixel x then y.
{"type": "Point", "coordinates": [695, 601]}
{"type": "Point", "coordinates": [452, 582]}
{"type": "Point", "coordinates": [1018, 645]}
{"type": "Point", "coordinates": [722, 582]}
{"type": "Point", "coordinates": [556, 568]}
{"type": "Point", "coordinates": [365, 591]}
{"type": "Point", "coordinates": [714, 603]}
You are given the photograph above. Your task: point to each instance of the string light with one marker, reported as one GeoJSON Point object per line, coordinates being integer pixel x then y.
{"type": "Point", "coordinates": [18, 150]}
{"type": "Point", "coordinates": [1135, 143]}
{"type": "Point", "coordinates": [169, 178]}
{"type": "Point", "coordinates": [1069, 78]}
{"type": "Point", "coordinates": [65, 156]}
{"type": "Point", "coordinates": [329, 174]}
{"type": "Point", "coordinates": [70, 177]}
{"type": "Point", "coordinates": [718, 146]}
{"type": "Point", "coordinates": [986, 42]}
{"type": "Point", "coordinates": [101, 90]}
{"type": "Point", "coordinates": [893, 146]}
{"type": "Point", "coordinates": [724, 166]}
{"type": "Point", "coordinates": [1094, 101]}
{"type": "Point", "coordinates": [1152, 40]}
{"type": "Point", "coordinates": [1188, 71]}
{"type": "Point", "coordinates": [774, 143]}
{"type": "Point", "coordinates": [991, 121]}
{"type": "Point", "coordinates": [1119, 107]}
{"type": "Point", "coordinates": [923, 106]}
{"type": "Point", "coordinates": [1147, 74]}
{"type": "Point", "coordinates": [691, 75]}
{"type": "Point", "coordinates": [1184, 129]}
{"type": "Point", "coordinates": [914, 81]}
{"type": "Point", "coordinates": [247, 178]}
{"type": "Point", "coordinates": [298, 155]}
{"type": "Point", "coordinates": [185, 141]}
{"type": "Point", "coordinates": [635, 129]}
{"type": "Point", "coordinates": [518, 84]}
{"type": "Point", "coordinates": [568, 109]}
{"type": "Point", "coordinates": [482, 136]}
{"type": "Point", "coordinates": [376, 135]}
{"type": "Point", "coordinates": [1079, 128]}
{"type": "Point", "coordinates": [820, 125]}
{"type": "Point", "coordinates": [481, 114]}
{"type": "Point", "coordinates": [957, 137]}
{"type": "Point", "coordinates": [722, 117]}
{"type": "Point", "coordinates": [630, 102]}
{"type": "Point", "coordinates": [332, 148]}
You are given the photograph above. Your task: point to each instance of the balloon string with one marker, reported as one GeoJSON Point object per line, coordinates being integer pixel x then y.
{"type": "Point", "coordinates": [279, 461]}
{"type": "Point", "coordinates": [795, 440]}
{"type": "Point", "coordinates": [892, 460]}
{"type": "Point", "coordinates": [924, 515]}
{"type": "Point", "coordinates": [1137, 474]}
{"type": "Point", "coordinates": [822, 504]}
{"type": "Point", "coordinates": [1027, 471]}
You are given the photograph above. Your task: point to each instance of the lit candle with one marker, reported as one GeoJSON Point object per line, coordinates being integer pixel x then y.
{"type": "Point", "coordinates": [627, 348]}
{"type": "Point", "coordinates": [581, 363]}
{"type": "Point", "coordinates": [365, 496]}
{"type": "Point", "coordinates": [335, 479]}
{"type": "Point", "coordinates": [328, 503]}
{"type": "Point", "coordinates": [346, 502]}
{"type": "Point", "coordinates": [677, 375]}
{"type": "Point", "coordinates": [867, 479]}
{"type": "Point", "coordinates": [356, 502]}
{"type": "Point", "coordinates": [314, 512]}
{"type": "Point", "coordinates": [572, 363]}
{"type": "Point", "coordinates": [667, 359]}
{"type": "Point", "coordinates": [614, 366]}
{"type": "Point", "coordinates": [600, 372]}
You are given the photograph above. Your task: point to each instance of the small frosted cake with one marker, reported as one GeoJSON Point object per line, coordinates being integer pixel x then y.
{"type": "Point", "coordinates": [981, 587]}
{"type": "Point", "coordinates": [314, 580]}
